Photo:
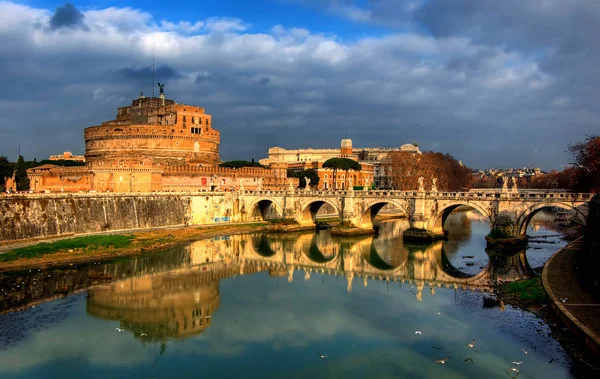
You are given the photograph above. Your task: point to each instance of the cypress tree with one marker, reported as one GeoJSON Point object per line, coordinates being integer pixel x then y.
{"type": "Point", "coordinates": [21, 175]}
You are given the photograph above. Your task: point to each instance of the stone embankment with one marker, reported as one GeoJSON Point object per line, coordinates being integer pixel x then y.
{"type": "Point", "coordinates": [38, 217]}
{"type": "Point", "coordinates": [571, 281]}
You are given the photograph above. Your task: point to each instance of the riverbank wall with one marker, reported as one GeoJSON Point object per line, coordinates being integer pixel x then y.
{"type": "Point", "coordinates": [591, 246]}
{"type": "Point", "coordinates": [39, 217]}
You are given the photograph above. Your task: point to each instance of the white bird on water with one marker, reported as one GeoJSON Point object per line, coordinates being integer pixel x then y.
{"type": "Point", "coordinates": [516, 363]}
{"type": "Point", "coordinates": [322, 356]}
{"type": "Point", "coordinates": [418, 332]}
{"type": "Point", "coordinates": [442, 361]}
{"type": "Point", "coordinates": [119, 330]}
{"type": "Point", "coordinates": [472, 344]}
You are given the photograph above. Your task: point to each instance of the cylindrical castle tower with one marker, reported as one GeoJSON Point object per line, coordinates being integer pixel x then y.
{"type": "Point", "coordinates": [153, 132]}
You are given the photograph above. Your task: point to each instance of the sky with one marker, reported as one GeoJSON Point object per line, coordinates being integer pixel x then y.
{"type": "Point", "coordinates": [494, 83]}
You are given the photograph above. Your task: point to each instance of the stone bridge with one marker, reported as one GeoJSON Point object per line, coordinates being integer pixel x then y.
{"type": "Point", "coordinates": [26, 216]}
{"type": "Point", "coordinates": [509, 211]}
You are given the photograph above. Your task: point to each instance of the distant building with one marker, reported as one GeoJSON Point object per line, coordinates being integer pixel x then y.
{"type": "Point", "coordinates": [67, 156]}
{"type": "Point", "coordinates": [342, 180]}
{"type": "Point", "coordinates": [374, 159]}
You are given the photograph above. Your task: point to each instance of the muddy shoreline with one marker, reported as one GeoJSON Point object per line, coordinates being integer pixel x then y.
{"type": "Point", "coordinates": [580, 354]}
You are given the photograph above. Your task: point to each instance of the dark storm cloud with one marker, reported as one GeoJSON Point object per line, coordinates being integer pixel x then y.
{"type": "Point", "coordinates": [462, 90]}
{"type": "Point", "coordinates": [141, 74]}
{"type": "Point", "coordinates": [67, 16]}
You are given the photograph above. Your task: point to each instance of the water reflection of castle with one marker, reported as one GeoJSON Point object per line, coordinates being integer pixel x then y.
{"type": "Point", "coordinates": [174, 294]}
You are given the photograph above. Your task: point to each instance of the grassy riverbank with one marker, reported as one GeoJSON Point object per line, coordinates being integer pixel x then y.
{"type": "Point", "coordinates": [108, 246]}
{"type": "Point", "coordinates": [527, 292]}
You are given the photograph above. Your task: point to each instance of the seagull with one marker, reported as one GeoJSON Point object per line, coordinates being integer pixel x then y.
{"type": "Point", "coordinates": [438, 348]}
{"type": "Point", "coordinates": [564, 299]}
{"type": "Point", "coordinates": [517, 363]}
{"type": "Point", "coordinates": [472, 344]}
{"type": "Point", "coordinates": [418, 332]}
{"type": "Point", "coordinates": [525, 351]}
{"type": "Point", "coordinates": [551, 360]}
{"type": "Point", "coordinates": [322, 356]}
{"type": "Point", "coordinates": [207, 316]}
{"type": "Point", "coordinates": [512, 369]}
{"type": "Point", "coordinates": [143, 335]}
{"type": "Point", "coordinates": [119, 330]}
{"type": "Point", "coordinates": [442, 361]}
{"type": "Point", "coordinates": [469, 359]}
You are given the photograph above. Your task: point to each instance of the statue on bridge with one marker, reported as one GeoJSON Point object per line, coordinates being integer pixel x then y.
{"type": "Point", "coordinates": [433, 185]}
{"type": "Point", "coordinates": [505, 184]}
{"type": "Point", "coordinates": [421, 186]}
{"type": "Point", "coordinates": [291, 185]}
{"type": "Point", "coordinates": [307, 188]}
{"type": "Point", "coordinates": [514, 187]}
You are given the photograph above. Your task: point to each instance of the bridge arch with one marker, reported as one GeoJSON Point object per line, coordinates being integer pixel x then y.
{"type": "Point", "coordinates": [265, 209]}
{"type": "Point", "coordinates": [526, 216]}
{"type": "Point", "coordinates": [439, 218]}
{"type": "Point", "coordinates": [309, 209]}
{"type": "Point", "coordinates": [372, 208]}
{"type": "Point", "coordinates": [373, 257]}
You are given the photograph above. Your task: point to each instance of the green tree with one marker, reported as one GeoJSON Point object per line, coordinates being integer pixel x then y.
{"type": "Point", "coordinates": [302, 175]}
{"type": "Point", "coordinates": [344, 164]}
{"type": "Point", "coordinates": [240, 164]}
{"type": "Point", "coordinates": [299, 175]}
{"type": "Point", "coordinates": [313, 176]}
{"type": "Point", "coordinates": [21, 175]}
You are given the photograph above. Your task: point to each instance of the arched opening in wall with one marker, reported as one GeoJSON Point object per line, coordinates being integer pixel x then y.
{"type": "Point", "coordinates": [310, 212]}
{"type": "Point", "coordinates": [465, 227]}
{"type": "Point", "coordinates": [262, 246]}
{"type": "Point", "coordinates": [326, 211]}
{"type": "Point", "coordinates": [545, 226]}
{"type": "Point", "coordinates": [551, 217]}
{"type": "Point", "coordinates": [264, 210]}
{"type": "Point", "coordinates": [380, 211]}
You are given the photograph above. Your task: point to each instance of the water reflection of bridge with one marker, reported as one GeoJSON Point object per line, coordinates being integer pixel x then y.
{"type": "Point", "coordinates": [179, 301]}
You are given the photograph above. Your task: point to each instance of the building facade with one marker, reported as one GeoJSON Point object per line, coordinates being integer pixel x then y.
{"type": "Point", "coordinates": [372, 159]}
{"type": "Point", "coordinates": [67, 156]}
{"type": "Point", "coordinates": [155, 144]}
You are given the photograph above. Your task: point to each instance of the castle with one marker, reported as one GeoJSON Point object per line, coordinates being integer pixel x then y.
{"type": "Point", "coordinates": [155, 144]}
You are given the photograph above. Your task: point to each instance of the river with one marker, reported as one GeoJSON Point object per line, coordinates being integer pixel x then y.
{"type": "Point", "coordinates": [274, 306]}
